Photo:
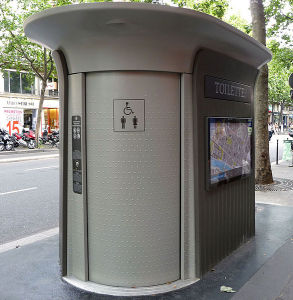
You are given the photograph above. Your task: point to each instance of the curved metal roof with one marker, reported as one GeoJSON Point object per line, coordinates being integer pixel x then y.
{"type": "Point", "coordinates": [138, 36]}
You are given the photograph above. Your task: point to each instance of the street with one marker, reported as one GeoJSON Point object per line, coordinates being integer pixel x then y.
{"type": "Point", "coordinates": [29, 197]}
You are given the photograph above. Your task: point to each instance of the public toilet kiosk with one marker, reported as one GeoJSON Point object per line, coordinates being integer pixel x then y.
{"type": "Point", "coordinates": [157, 172]}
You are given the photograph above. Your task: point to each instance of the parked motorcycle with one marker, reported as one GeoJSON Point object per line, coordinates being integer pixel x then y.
{"type": "Point", "coordinates": [26, 139]}
{"type": "Point", "coordinates": [54, 138]}
{"type": "Point", "coordinates": [30, 138]}
{"type": "Point", "coordinates": [44, 139]}
{"type": "Point", "coordinates": [5, 139]}
{"type": "Point", "coordinates": [15, 141]}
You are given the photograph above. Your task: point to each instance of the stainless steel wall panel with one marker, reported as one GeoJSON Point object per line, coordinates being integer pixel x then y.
{"type": "Point", "coordinates": [76, 235]}
{"type": "Point", "coordinates": [187, 180]}
{"type": "Point", "coordinates": [134, 181]}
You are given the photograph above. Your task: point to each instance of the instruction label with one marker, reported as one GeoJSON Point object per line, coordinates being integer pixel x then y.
{"type": "Point", "coordinates": [76, 155]}
{"type": "Point", "coordinates": [128, 115]}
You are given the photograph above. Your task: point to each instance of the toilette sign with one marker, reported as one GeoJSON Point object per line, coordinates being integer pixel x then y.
{"type": "Point", "coordinates": [223, 89]}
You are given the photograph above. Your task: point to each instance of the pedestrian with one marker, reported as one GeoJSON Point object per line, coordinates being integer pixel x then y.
{"type": "Point", "coordinates": [270, 128]}
{"type": "Point", "coordinates": [276, 128]}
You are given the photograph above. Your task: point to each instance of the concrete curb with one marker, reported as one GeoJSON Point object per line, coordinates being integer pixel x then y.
{"type": "Point", "coordinates": [27, 151]}
{"type": "Point", "coordinates": [30, 157]}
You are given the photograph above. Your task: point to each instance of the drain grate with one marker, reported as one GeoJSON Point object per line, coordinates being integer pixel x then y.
{"type": "Point", "coordinates": [279, 185]}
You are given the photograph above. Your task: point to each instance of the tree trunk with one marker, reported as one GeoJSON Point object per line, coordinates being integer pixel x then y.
{"type": "Point", "coordinates": [40, 109]}
{"type": "Point", "coordinates": [263, 172]}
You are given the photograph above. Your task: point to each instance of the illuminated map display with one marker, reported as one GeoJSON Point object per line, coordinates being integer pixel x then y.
{"type": "Point", "coordinates": [229, 148]}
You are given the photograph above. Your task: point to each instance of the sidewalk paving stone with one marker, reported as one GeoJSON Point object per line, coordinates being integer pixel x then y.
{"type": "Point", "coordinates": [32, 271]}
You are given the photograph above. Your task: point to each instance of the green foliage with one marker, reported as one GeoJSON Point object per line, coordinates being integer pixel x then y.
{"type": "Point", "coordinates": [17, 52]}
{"type": "Point", "coordinates": [280, 69]}
{"type": "Point", "coordinates": [240, 23]}
{"type": "Point", "coordinates": [279, 23]}
{"type": "Point", "coordinates": [279, 19]}
{"type": "Point", "coordinates": [145, 1]}
{"type": "Point", "coordinates": [216, 8]}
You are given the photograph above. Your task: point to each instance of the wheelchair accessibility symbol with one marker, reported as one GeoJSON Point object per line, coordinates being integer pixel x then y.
{"type": "Point", "coordinates": [128, 115]}
{"type": "Point", "coordinates": [128, 110]}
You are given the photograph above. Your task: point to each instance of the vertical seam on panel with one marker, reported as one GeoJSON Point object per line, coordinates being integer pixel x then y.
{"type": "Point", "coordinates": [182, 169]}
{"type": "Point", "coordinates": [61, 65]}
{"type": "Point", "coordinates": [85, 205]}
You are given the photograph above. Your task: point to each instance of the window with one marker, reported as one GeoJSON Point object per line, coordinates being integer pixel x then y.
{"type": "Point", "coordinates": [6, 81]}
{"type": "Point", "coordinates": [26, 83]}
{"type": "Point", "coordinates": [21, 83]}
{"type": "Point", "coordinates": [14, 82]}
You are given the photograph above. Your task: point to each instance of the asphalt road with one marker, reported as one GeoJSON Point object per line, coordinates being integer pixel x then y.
{"type": "Point", "coordinates": [29, 198]}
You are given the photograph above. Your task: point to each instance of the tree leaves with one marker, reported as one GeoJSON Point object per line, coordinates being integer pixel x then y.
{"type": "Point", "coordinates": [280, 68]}
{"type": "Point", "coordinates": [216, 8]}
{"type": "Point", "coordinates": [279, 18]}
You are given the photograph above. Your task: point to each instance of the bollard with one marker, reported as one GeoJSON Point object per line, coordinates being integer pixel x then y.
{"type": "Point", "coordinates": [277, 158]}
{"type": "Point", "coordinates": [291, 154]}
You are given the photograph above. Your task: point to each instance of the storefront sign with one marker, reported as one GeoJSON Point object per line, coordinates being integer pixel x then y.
{"type": "Point", "coordinates": [11, 120]}
{"type": "Point", "coordinates": [23, 103]}
{"type": "Point", "coordinates": [223, 89]}
{"type": "Point", "coordinates": [51, 86]}
{"type": "Point", "coordinates": [27, 103]}
{"type": "Point", "coordinates": [50, 104]}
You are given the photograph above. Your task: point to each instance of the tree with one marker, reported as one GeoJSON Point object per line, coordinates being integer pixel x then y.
{"type": "Point", "coordinates": [216, 8]}
{"type": "Point", "coordinates": [279, 19]}
{"type": "Point", "coordinates": [17, 52]}
{"type": "Point", "coordinates": [240, 23]}
{"type": "Point", "coordinates": [280, 68]}
{"type": "Point", "coordinates": [263, 172]}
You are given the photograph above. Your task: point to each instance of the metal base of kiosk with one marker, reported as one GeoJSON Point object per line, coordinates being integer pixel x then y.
{"type": "Point", "coordinates": [121, 291]}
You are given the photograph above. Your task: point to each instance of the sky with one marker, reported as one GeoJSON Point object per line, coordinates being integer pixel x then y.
{"type": "Point", "coordinates": [240, 7]}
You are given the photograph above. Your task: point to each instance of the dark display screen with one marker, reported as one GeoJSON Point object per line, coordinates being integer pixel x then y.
{"type": "Point", "coordinates": [229, 148]}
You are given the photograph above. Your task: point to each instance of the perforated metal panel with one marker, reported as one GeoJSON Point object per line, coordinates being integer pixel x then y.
{"type": "Point", "coordinates": [76, 235]}
{"type": "Point", "coordinates": [133, 181]}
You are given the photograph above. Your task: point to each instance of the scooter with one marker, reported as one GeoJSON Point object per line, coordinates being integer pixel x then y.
{"type": "Point", "coordinates": [6, 140]}
{"type": "Point", "coordinates": [54, 139]}
{"type": "Point", "coordinates": [45, 138]}
{"type": "Point", "coordinates": [27, 139]}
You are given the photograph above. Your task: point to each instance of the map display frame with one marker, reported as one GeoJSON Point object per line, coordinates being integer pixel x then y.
{"type": "Point", "coordinates": [229, 149]}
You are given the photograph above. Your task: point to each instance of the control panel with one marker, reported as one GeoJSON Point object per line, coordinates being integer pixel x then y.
{"type": "Point", "coordinates": [76, 155]}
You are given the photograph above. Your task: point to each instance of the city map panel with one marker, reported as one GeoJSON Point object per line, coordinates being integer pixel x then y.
{"type": "Point", "coordinates": [230, 148]}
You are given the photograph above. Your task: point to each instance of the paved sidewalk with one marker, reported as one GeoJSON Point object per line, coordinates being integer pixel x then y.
{"type": "Point", "coordinates": [274, 280]}
{"type": "Point", "coordinates": [260, 269]}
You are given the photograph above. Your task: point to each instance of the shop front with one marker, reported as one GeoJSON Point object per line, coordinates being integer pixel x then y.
{"type": "Point", "coordinates": [18, 113]}
{"type": "Point", "coordinates": [51, 119]}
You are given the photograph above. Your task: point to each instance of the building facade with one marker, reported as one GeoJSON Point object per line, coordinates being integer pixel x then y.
{"type": "Point", "coordinates": [19, 102]}
{"type": "Point", "coordinates": [281, 116]}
